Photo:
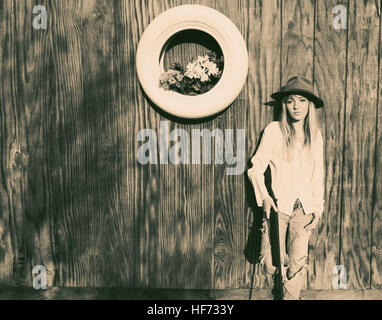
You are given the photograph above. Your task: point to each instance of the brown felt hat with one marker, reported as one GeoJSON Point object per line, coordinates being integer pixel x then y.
{"type": "Point", "coordinates": [299, 85]}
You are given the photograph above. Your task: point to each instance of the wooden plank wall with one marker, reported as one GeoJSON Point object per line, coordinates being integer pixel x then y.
{"type": "Point", "coordinates": [75, 199]}
{"type": "Point", "coordinates": [330, 56]}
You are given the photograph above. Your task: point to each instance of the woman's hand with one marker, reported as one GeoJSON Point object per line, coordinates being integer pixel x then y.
{"type": "Point", "coordinates": [267, 205]}
{"type": "Point", "coordinates": [313, 223]}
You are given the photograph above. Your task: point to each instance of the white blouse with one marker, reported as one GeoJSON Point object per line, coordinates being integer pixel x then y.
{"type": "Point", "coordinates": [302, 178]}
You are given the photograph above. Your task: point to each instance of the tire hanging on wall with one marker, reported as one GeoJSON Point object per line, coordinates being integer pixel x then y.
{"type": "Point", "coordinates": [149, 60]}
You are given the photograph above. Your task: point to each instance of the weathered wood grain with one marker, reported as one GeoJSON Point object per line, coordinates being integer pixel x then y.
{"type": "Point", "coordinates": [114, 235]}
{"type": "Point", "coordinates": [359, 141]}
{"type": "Point", "coordinates": [77, 107]}
{"type": "Point", "coordinates": [25, 218]}
{"type": "Point", "coordinates": [229, 214]}
{"type": "Point", "coordinates": [11, 183]}
{"type": "Point", "coordinates": [376, 231]}
{"type": "Point", "coordinates": [297, 39]}
{"type": "Point", "coordinates": [329, 75]}
{"type": "Point", "coordinates": [6, 115]}
{"type": "Point", "coordinates": [263, 32]}
{"type": "Point", "coordinates": [148, 224]}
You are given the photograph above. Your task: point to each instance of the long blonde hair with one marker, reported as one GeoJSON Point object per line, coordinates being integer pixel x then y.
{"type": "Point", "coordinates": [310, 129]}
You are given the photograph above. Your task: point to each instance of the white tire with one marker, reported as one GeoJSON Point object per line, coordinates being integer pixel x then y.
{"type": "Point", "coordinates": [149, 60]}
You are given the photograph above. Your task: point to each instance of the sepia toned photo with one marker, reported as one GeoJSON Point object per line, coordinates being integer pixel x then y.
{"type": "Point", "coordinates": [213, 151]}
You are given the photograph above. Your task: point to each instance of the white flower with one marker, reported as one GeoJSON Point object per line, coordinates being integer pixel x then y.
{"type": "Point", "coordinates": [196, 71]}
{"type": "Point", "coordinates": [171, 77]}
{"type": "Point", "coordinates": [204, 77]}
{"type": "Point", "coordinates": [190, 66]}
{"type": "Point", "coordinates": [190, 74]}
{"type": "Point", "coordinates": [211, 68]}
{"type": "Point", "coordinates": [199, 70]}
{"type": "Point", "coordinates": [189, 70]}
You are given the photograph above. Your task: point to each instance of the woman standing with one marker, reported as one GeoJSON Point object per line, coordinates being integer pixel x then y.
{"type": "Point", "coordinates": [293, 148]}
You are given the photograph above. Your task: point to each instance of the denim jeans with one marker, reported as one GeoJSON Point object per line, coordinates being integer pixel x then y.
{"type": "Point", "coordinates": [294, 241]}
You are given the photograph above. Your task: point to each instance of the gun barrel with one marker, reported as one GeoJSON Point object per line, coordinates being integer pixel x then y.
{"type": "Point", "coordinates": [276, 254]}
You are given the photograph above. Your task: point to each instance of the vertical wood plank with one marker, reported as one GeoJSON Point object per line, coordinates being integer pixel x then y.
{"type": "Point", "coordinates": [69, 143]}
{"type": "Point", "coordinates": [7, 132]}
{"type": "Point", "coordinates": [111, 220]}
{"type": "Point", "coordinates": [229, 214]}
{"type": "Point", "coordinates": [25, 220]}
{"type": "Point", "coordinates": [329, 75]}
{"type": "Point", "coordinates": [297, 39]}
{"type": "Point", "coordinates": [119, 168]}
{"type": "Point", "coordinates": [86, 148]}
{"type": "Point", "coordinates": [360, 126]}
{"type": "Point", "coordinates": [263, 32]}
{"type": "Point", "coordinates": [376, 253]}
{"type": "Point", "coordinates": [147, 178]}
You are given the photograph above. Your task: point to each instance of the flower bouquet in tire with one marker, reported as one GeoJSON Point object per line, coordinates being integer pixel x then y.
{"type": "Point", "coordinates": [198, 77]}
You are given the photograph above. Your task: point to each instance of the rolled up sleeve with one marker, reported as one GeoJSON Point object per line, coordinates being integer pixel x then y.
{"type": "Point", "coordinates": [260, 163]}
{"type": "Point", "coordinates": [318, 177]}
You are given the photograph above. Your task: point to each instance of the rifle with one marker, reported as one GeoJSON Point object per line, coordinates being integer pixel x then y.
{"type": "Point", "coordinates": [276, 252]}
